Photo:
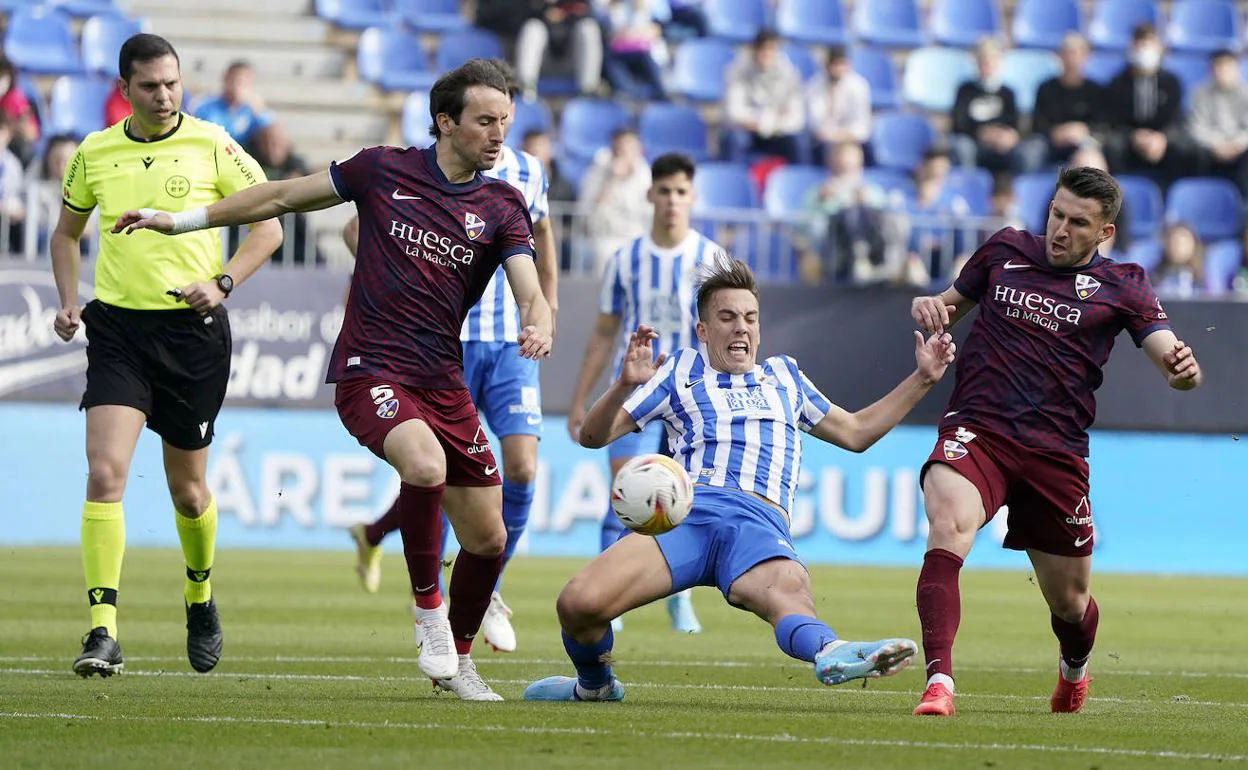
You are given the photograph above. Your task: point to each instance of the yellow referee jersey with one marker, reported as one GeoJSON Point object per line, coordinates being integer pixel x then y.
{"type": "Point", "coordinates": [195, 164]}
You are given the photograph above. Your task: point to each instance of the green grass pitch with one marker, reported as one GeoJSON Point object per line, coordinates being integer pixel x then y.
{"type": "Point", "coordinates": [317, 673]}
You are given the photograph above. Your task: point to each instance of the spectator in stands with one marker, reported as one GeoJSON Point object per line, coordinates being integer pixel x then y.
{"type": "Point", "coordinates": [853, 234]}
{"type": "Point", "coordinates": [23, 119]}
{"type": "Point", "coordinates": [1067, 108]}
{"type": "Point", "coordinates": [1003, 203]}
{"type": "Point", "coordinates": [560, 27]}
{"type": "Point", "coordinates": [1144, 111]}
{"type": "Point", "coordinates": [613, 199]}
{"type": "Point", "coordinates": [1219, 121]}
{"type": "Point", "coordinates": [839, 101]}
{"type": "Point", "coordinates": [116, 106]}
{"type": "Point", "coordinates": [763, 103]}
{"type": "Point", "coordinates": [687, 20]}
{"type": "Point", "coordinates": [271, 148]}
{"type": "Point", "coordinates": [48, 175]}
{"type": "Point", "coordinates": [985, 116]}
{"type": "Point", "coordinates": [1181, 271]}
{"type": "Point", "coordinates": [934, 242]}
{"type": "Point", "coordinates": [12, 186]}
{"type": "Point", "coordinates": [636, 52]}
{"type": "Point", "coordinates": [239, 108]}
{"type": "Point", "coordinates": [537, 143]}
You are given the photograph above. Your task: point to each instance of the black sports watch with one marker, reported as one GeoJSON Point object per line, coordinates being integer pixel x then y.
{"type": "Point", "coordinates": [225, 283]}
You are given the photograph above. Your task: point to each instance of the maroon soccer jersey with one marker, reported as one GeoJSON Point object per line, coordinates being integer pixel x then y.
{"type": "Point", "coordinates": [427, 250]}
{"type": "Point", "coordinates": [1034, 357]}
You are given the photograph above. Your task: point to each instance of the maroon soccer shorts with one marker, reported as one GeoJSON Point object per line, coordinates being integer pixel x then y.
{"type": "Point", "coordinates": [370, 408]}
{"type": "Point", "coordinates": [1046, 491]}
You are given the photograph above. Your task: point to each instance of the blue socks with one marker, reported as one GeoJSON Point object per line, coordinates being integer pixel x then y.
{"type": "Point", "coordinates": [517, 502]}
{"type": "Point", "coordinates": [801, 636]}
{"type": "Point", "coordinates": [612, 530]}
{"type": "Point", "coordinates": [591, 672]}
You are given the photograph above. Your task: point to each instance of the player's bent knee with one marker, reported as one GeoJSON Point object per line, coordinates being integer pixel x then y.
{"type": "Point", "coordinates": [421, 471]}
{"type": "Point", "coordinates": [520, 471]}
{"type": "Point", "coordinates": [106, 478]}
{"type": "Point", "coordinates": [190, 498]}
{"type": "Point", "coordinates": [579, 606]}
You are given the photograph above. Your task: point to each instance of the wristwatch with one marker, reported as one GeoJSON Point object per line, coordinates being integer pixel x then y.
{"type": "Point", "coordinates": [225, 283]}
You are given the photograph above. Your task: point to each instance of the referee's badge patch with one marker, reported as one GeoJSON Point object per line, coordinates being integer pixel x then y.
{"type": "Point", "coordinates": [388, 409]}
{"type": "Point", "coordinates": [954, 450]}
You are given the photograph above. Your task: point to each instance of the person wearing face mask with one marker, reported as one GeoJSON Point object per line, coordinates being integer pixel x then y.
{"type": "Point", "coordinates": [985, 116]}
{"type": "Point", "coordinates": [1144, 113]}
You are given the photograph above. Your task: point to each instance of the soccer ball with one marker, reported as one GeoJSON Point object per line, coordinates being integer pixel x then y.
{"type": "Point", "coordinates": [651, 494]}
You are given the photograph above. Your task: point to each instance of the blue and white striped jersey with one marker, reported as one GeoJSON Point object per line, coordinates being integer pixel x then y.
{"type": "Point", "coordinates": [496, 318]}
{"type": "Point", "coordinates": [737, 431]}
{"type": "Point", "coordinates": [645, 284]}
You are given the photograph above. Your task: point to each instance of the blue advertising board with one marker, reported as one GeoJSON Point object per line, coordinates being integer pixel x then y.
{"type": "Point", "coordinates": [1166, 503]}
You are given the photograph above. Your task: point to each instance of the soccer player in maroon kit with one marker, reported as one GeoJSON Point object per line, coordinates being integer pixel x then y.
{"type": "Point", "coordinates": [432, 232]}
{"type": "Point", "coordinates": [1015, 431]}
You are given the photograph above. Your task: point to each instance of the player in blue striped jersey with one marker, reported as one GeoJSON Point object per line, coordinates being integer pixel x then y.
{"type": "Point", "coordinates": [736, 427]}
{"type": "Point", "coordinates": [650, 281]}
{"type": "Point", "coordinates": [503, 385]}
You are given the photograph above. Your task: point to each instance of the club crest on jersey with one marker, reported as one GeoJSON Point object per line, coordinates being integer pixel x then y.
{"type": "Point", "coordinates": [1086, 285]}
{"type": "Point", "coordinates": [388, 409]}
{"type": "Point", "coordinates": [473, 225]}
{"type": "Point", "coordinates": [954, 450]}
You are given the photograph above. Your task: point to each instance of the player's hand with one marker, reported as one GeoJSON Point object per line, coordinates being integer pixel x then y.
{"type": "Point", "coordinates": [202, 297]}
{"type": "Point", "coordinates": [576, 418]}
{"type": "Point", "coordinates": [934, 355]}
{"type": "Point", "coordinates": [535, 342]}
{"type": "Point", "coordinates": [1182, 371]}
{"type": "Point", "coordinates": [931, 314]}
{"type": "Point", "coordinates": [639, 363]}
{"type": "Point", "coordinates": [67, 321]}
{"type": "Point", "coordinates": [144, 219]}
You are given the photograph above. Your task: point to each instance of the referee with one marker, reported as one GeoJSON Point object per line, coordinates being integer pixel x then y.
{"type": "Point", "coordinates": [158, 337]}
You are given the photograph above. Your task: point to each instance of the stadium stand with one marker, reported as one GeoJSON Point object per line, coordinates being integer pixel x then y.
{"type": "Point", "coordinates": [892, 23]}
{"type": "Point", "coordinates": [736, 20]}
{"type": "Point", "coordinates": [102, 36]}
{"type": "Point", "coordinates": [1203, 27]}
{"type": "Point", "coordinates": [39, 40]}
{"type": "Point", "coordinates": [812, 22]}
{"type": "Point", "coordinates": [963, 22]}
{"type": "Point", "coordinates": [76, 106]}
{"type": "Point", "coordinates": [430, 15]}
{"type": "Point", "coordinates": [1110, 27]}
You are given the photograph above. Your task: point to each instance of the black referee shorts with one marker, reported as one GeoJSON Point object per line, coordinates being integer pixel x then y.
{"type": "Point", "coordinates": [169, 364]}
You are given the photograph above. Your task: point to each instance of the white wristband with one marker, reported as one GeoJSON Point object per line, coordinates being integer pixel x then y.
{"type": "Point", "coordinates": [186, 221]}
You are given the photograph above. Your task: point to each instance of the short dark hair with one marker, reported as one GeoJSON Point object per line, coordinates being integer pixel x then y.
{"type": "Point", "coordinates": [143, 47]}
{"type": "Point", "coordinates": [672, 163]}
{"type": "Point", "coordinates": [765, 36]}
{"type": "Point", "coordinates": [448, 93]}
{"type": "Point", "coordinates": [1093, 184]}
{"type": "Point", "coordinates": [1143, 31]}
{"type": "Point", "coordinates": [1003, 183]}
{"type": "Point", "coordinates": [509, 75]}
{"type": "Point", "coordinates": [836, 53]}
{"type": "Point", "coordinates": [724, 272]}
{"type": "Point", "coordinates": [1222, 53]}
{"type": "Point", "coordinates": [236, 65]}
{"type": "Point", "coordinates": [533, 133]}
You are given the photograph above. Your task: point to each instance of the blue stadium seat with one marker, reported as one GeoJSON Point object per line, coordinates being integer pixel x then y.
{"type": "Point", "coordinates": [1223, 260]}
{"type": "Point", "coordinates": [455, 48]}
{"type": "Point", "coordinates": [892, 23]}
{"type": "Point", "coordinates": [1144, 203]}
{"type": "Point", "coordinates": [12, 5]}
{"type": "Point", "coordinates": [1145, 252]}
{"type": "Point", "coordinates": [431, 15]}
{"type": "Point", "coordinates": [38, 40]}
{"type": "Point", "coordinates": [724, 185]}
{"type": "Point", "coordinates": [1033, 193]}
{"type": "Point", "coordinates": [876, 66]}
{"type": "Point", "coordinates": [1202, 26]}
{"type": "Point", "coordinates": [899, 139]}
{"type": "Point", "coordinates": [1113, 20]}
{"type": "Point", "coordinates": [1043, 23]}
{"type": "Point", "coordinates": [699, 66]}
{"type": "Point", "coordinates": [889, 179]}
{"type": "Point", "coordinates": [932, 76]}
{"type": "Point", "coordinates": [85, 8]}
{"type": "Point", "coordinates": [1024, 70]}
{"type": "Point", "coordinates": [416, 120]}
{"type": "Point", "coordinates": [529, 116]}
{"type": "Point", "coordinates": [974, 185]}
{"type": "Point", "coordinates": [355, 14]}
{"type": "Point", "coordinates": [735, 20]}
{"type": "Point", "coordinates": [102, 37]}
{"type": "Point", "coordinates": [814, 22]}
{"type": "Point", "coordinates": [1104, 66]}
{"type": "Point", "coordinates": [395, 60]}
{"type": "Point", "coordinates": [587, 124]}
{"type": "Point", "coordinates": [801, 57]}
{"type": "Point", "coordinates": [76, 105]}
{"type": "Point", "coordinates": [788, 187]}
{"type": "Point", "coordinates": [665, 127]}
{"type": "Point", "coordinates": [1211, 206]}
{"type": "Point", "coordinates": [1190, 68]}
{"type": "Point", "coordinates": [963, 22]}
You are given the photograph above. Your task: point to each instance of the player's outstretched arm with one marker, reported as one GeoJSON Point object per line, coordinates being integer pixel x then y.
{"type": "Point", "coordinates": [606, 420]}
{"type": "Point", "coordinates": [856, 431]}
{"type": "Point", "coordinates": [253, 204]}
{"type": "Point", "coordinates": [597, 352]}
{"type": "Point", "coordinates": [935, 315]}
{"type": "Point", "coordinates": [1174, 358]}
{"type": "Point", "coordinates": [536, 323]}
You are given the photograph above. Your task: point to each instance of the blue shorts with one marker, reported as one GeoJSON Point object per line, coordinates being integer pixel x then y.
{"type": "Point", "coordinates": [648, 440]}
{"type": "Point", "coordinates": [725, 534]}
{"type": "Point", "coordinates": [504, 387]}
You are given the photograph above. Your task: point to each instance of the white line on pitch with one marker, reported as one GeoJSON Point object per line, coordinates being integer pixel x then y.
{"type": "Point", "coordinates": [628, 683]}
{"type": "Point", "coordinates": [479, 727]}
